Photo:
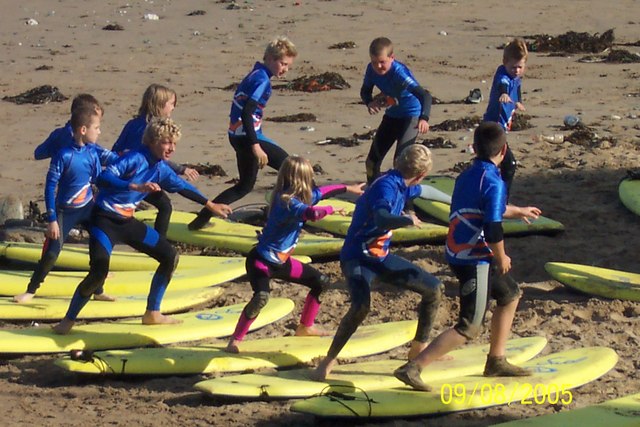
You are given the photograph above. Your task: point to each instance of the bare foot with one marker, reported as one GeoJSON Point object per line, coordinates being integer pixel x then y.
{"type": "Point", "coordinates": [26, 297]}
{"type": "Point", "coordinates": [311, 331]}
{"type": "Point", "coordinates": [64, 327]}
{"type": "Point", "coordinates": [232, 347]}
{"type": "Point", "coordinates": [103, 297]}
{"type": "Point", "coordinates": [323, 370]}
{"type": "Point", "coordinates": [157, 318]}
{"type": "Point", "coordinates": [416, 348]}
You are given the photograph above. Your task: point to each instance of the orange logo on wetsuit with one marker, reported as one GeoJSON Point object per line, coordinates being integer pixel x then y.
{"type": "Point", "coordinates": [124, 210]}
{"type": "Point", "coordinates": [376, 246]}
{"type": "Point", "coordinates": [80, 198]}
{"type": "Point", "coordinates": [475, 242]}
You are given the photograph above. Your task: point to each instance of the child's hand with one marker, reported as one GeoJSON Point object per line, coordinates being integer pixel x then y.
{"type": "Point", "coordinates": [415, 219]}
{"type": "Point", "coordinates": [53, 230]}
{"type": "Point", "coordinates": [191, 174]}
{"type": "Point", "coordinates": [528, 213]}
{"type": "Point", "coordinates": [356, 188]}
{"type": "Point", "coordinates": [423, 126]}
{"type": "Point", "coordinates": [520, 106]}
{"type": "Point", "coordinates": [147, 187]}
{"type": "Point", "coordinates": [505, 99]}
{"type": "Point", "coordinates": [503, 264]}
{"type": "Point", "coordinates": [374, 107]}
{"type": "Point", "coordinates": [219, 209]}
{"type": "Point", "coordinates": [261, 156]}
{"type": "Point", "coordinates": [340, 211]}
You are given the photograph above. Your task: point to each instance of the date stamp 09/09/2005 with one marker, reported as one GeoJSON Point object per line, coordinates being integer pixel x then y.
{"type": "Point", "coordinates": [499, 394]}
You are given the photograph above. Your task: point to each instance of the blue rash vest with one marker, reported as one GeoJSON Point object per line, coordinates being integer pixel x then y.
{"type": "Point", "coordinates": [72, 171]}
{"type": "Point", "coordinates": [62, 137]}
{"type": "Point", "coordinates": [497, 111]}
{"type": "Point", "coordinates": [138, 166]}
{"type": "Point", "coordinates": [131, 136]}
{"type": "Point", "coordinates": [479, 197]}
{"type": "Point", "coordinates": [395, 84]}
{"type": "Point", "coordinates": [257, 86]}
{"type": "Point", "coordinates": [365, 240]}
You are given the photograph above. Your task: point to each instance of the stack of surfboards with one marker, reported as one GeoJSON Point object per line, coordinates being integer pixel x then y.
{"type": "Point", "coordinates": [224, 234]}
{"type": "Point", "coordinates": [512, 227]}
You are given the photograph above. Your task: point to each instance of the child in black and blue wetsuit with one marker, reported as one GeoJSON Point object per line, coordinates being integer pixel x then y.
{"type": "Point", "coordinates": [407, 104]}
{"type": "Point", "coordinates": [122, 186]}
{"type": "Point", "coordinates": [365, 254]}
{"type": "Point", "coordinates": [293, 202]}
{"type": "Point", "coordinates": [68, 190]}
{"type": "Point", "coordinates": [253, 149]}
{"type": "Point", "coordinates": [157, 102]}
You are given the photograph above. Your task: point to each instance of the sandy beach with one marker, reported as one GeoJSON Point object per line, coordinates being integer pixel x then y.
{"type": "Point", "coordinates": [452, 48]}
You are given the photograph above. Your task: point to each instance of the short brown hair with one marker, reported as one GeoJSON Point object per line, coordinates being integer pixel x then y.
{"type": "Point", "coordinates": [413, 161]}
{"type": "Point", "coordinates": [515, 50]}
{"type": "Point", "coordinates": [381, 45]}
{"type": "Point", "coordinates": [488, 140]}
{"type": "Point", "coordinates": [279, 48]}
{"type": "Point", "coordinates": [83, 116]}
{"type": "Point", "coordinates": [86, 100]}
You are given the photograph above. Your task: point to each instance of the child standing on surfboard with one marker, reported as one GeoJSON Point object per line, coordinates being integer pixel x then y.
{"type": "Point", "coordinates": [292, 203]}
{"type": "Point", "coordinates": [253, 149]}
{"type": "Point", "coordinates": [68, 193]}
{"type": "Point", "coordinates": [506, 97]}
{"type": "Point", "coordinates": [122, 186]}
{"type": "Point", "coordinates": [157, 102]}
{"type": "Point", "coordinates": [407, 104]}
{"type": "Point", "coordinates": [476, 255]}
{"type": "Point", "coordinates": [365, 254]}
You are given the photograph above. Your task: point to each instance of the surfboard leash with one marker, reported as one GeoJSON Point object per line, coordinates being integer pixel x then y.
{"type": "Point", "coordinates": [342, 398]}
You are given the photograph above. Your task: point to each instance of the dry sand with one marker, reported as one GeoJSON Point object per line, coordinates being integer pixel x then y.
{"type": "Point", "coordinates": [199, 55]}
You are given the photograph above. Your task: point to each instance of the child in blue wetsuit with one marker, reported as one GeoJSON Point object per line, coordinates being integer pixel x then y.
{"type": "Point", "coordinates": [157, 102]}
{"type": "Point", "coordinates": [253, 149]}
{"type": "Point", "coordinates": [475, 252]}
{"type": "Point", "coordinates": [506, 98]}
{"type": "Point", "coordinates": [122, 186]}
{"type": "Point", "coordinates": [365, 254]}
{"type": "Point", "coordinates": [68, 194]}
{"type": "Point", "coordinates": [407, 104]}
{"type": "Point", "coordinates": [292, 204]}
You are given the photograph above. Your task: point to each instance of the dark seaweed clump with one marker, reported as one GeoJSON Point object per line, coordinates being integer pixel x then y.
{"type": "Point", "coordinates": [587, 137]}
{"type": "Point", "coordinates": [439, 142]}
{"type": "Point", "coordinates": [457, 124]}
{"type": "Point", "coordinates": [352, 141]}
{"type": "Point", "coordinates": [319, 82]}
{"type": "Point", "coordinates": [520, 122]}
{"type": "Point", "coordinates": [113, 27]}
{"type": "Point", "coordinates": [197, 13]}
{"type": "Point", "coordinates": [343, 45]}
{"type": "Point", "coordinates": [622, 56]}
{"type": "Point", "coordinates": [294, 118]}
{"type": "Point", "coordinates": [38, 95]}
{"type": "Point", "coordinates": [207, 169]}
{"type": "Point", "coordinates": [571, 42]}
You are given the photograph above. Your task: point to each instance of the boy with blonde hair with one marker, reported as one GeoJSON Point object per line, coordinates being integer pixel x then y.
{"type": "Point", "coordinates": [365, 254]}
{"type": "Point", "coordinates": [253, 149]}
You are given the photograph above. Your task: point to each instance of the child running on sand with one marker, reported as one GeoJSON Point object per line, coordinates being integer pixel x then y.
{"type": "Point", "coordinates": [506, 98]}
{"type": "Point", "coordinates": [253, 149]}
{"type": "Point", "coordinates": [157, 102]}
{"type": "Point", "coordinates": [122, 186]}
{"type": "Point", "coordinates": [407, 104]}
{"type": "Point", "coordinates": [365, 254]}
{"type": "Point", "coordinates": [292, 203]}
{"type": "Point", "coordinates": [68, 194]}
{"type": "Point", "coordinates": [475, 252]}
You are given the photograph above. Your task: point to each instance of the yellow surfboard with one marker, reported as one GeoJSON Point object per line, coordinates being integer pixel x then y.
{"type": "Point", "coordinates": [213, 323]}
{"type": "Point", "coordinates": [235, 236]}
{"type": "Point", "coordinates": [77, 258]}
{"type": "Point", "coordinates": [511, 227]}
{"type": "Point", "coordinates": [554, 377]}
{"type": "Point", "coordinates": [64, 283]}
{"type": "Point", "coordinates": [629, 193]}
{"type": "Point", "coordinates": [264, 353]}
{"type": "Point", "coordinates": [54, 308]}
{"type": "Point", "coordinates": [622, 412]}
{"type": "Point", "coordinates": [374, 375]}
{"type": "Point", "coordinates": [338, 224]}
{"type": "Point", "coordinates": [598, 281]}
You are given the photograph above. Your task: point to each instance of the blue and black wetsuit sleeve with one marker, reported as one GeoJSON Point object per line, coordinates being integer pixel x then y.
{"type": "Point", "coordinates": [247, 120]}
{"type": "Point", "coordinates": [366, 93]}
{"type": "Point", "coordinates": [385, 220]}
{"type": "Point", "coordinates": [425, 99]}
{"type": "Point", "coordinates": [193, 195]}
{"type": "Point", "coordinates": [493, 232]}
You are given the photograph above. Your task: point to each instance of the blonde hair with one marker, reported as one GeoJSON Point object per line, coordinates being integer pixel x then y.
{"type": "Point", "coordinates": [295, 179]}
{"type": "Point", "coordinates": [515, 50]}
{"type": "Point", "coordinates": [380, 46]}
{"type": "Point", "coordinates": [154, 99]}
{"type": "Point", "coordinates": [413, 161]}
{"type": "Point", "coordinates": [160, 129]}
{"type": "Point", "coordinates": [279, 48]}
